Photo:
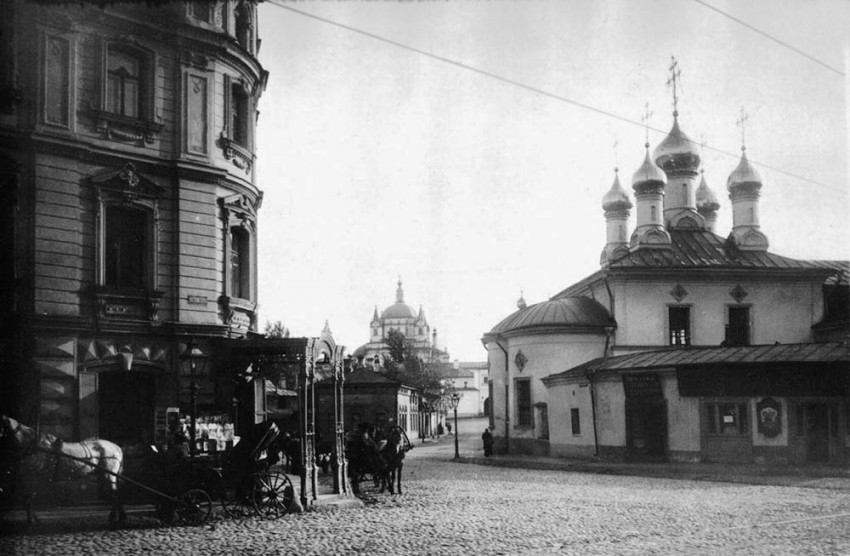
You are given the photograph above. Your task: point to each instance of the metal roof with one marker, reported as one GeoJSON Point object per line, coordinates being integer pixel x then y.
{"type": "Point", "coordinates": [566, 312]}
{"type": "Point", "coordinates": [834, 352]}
{"type": "Point", "coordinates": [704, 249]}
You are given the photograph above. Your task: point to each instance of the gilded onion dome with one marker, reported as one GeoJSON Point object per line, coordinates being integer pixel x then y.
{"type": "Point", "coordinates": [744, 174]}
{"type": "Point", "coordinates": [677, 151]}
{"type": "Point", "coordinates": [706, 200]}
{"type": "Point", "coordinates": [616, 198]}
{"type": "Point", "coordinates": [648, 173]}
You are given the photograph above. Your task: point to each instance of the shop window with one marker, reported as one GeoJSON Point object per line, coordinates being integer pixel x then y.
{"type": "Point", "coordinates": [727, 419]}
{"type": "Point", "coordinates": [240, 275]}
{"type": "Point", "coordinates": [679, 319]}
{"type": "Point", "coordinates": [738, 327]}
{"type": "Point", "coordinates": [575, 420]}
{"type": "Point", "coordinates": [126, 248]}
{"type": "Point", "coordinates": [523, 396]}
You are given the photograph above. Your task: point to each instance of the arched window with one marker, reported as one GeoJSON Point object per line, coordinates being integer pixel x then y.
{"type": "Point", "coordinates": [123, 92]}
{"type": "Point", "coordinates": [243, 25]}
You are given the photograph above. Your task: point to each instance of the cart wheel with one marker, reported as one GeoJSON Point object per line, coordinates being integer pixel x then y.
{"type": "Point", "coordinates": [273, 493]}
{"type": "Point", "coordinates": [194, 507]}
{"type": "Point", "coordinates": [242, 504]}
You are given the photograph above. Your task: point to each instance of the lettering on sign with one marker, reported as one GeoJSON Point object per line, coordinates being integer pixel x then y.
{"type": "Point", "coordinates": [197, 300]}
{"type": "Point", "coordinates": [240, 321]}
{"type": "Point", "coordinates": [643, 385]}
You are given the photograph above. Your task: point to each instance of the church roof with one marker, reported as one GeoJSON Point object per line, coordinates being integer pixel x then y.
{"type": "Point", "coordinates": [567, 312]}
{"type": "Point", "coordinates": [694, 248]}
{"type": "Point", "coordinates": [398, 311]}
{"type": "Point", "coordinates": [834, 352]}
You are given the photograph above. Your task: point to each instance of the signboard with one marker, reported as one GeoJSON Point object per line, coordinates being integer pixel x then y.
{"type": "Point", "coordinates": [643, 386]}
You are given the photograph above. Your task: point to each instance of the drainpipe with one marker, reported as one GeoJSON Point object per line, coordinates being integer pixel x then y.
{"type": "Point", "coordinates": [507, 400]}
{"type": "Point", "coordinates": [589, 376]}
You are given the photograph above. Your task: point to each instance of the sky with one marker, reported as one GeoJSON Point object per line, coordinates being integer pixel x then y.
{"type": "Point", "coordinates": [465, 147]}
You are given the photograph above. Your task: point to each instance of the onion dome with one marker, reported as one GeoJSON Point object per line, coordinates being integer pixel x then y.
{"type": "Point", "coordinates": [706, 200]}
{"type": "Point", "coordinates": [557, 314]}
{"type": "Point", "coordinates": [648, 173]}
{"type": "Point", "coordinates": [677, 151]}
{"type": "Point", "coordinates": [521, 302]}
{"type": "Point", "coordinates": [616, 198]}
{"type": "Point", "coordinates": [744, 174]}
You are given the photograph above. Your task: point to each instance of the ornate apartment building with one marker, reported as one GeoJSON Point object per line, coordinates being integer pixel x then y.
{"type": "Point", "coordinates": [129, 208]}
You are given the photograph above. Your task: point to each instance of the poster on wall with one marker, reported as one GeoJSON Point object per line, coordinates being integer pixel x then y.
{"type": "Point", "coordinates": [769, 416]}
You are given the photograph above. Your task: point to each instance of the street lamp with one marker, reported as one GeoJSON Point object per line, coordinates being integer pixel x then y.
{"type": "Point", "coordinates": [455, 399]}
{"type": "Point", "coordinates": [194, 363]}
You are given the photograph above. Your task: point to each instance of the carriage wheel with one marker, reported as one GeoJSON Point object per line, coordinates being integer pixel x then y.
{"type": "Point", "coordinates": [242, 504]}
{"type": "Point", "coordinates": [194, 507]}
{"type": "Point", "coordinates": [273, 493]}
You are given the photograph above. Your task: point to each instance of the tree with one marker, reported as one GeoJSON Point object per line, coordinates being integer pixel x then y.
{"type": "Point", "coordinates": [404, 365]}
{"type": "Point", "coordinates": [276, 329]}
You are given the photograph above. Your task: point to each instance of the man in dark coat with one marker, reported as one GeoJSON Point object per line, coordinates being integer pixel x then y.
{"type": "Point", "coordinates": [488, 443]}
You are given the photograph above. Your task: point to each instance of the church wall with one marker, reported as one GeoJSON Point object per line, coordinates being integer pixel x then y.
{"type": "Point", "coordinates": [776, 309]}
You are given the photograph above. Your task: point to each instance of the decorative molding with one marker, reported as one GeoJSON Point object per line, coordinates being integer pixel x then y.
{"type": "Point", "coordinates": [679, 293]}
{"type": "Point", "coordinates": [738, 293]}
{"type": "Point", "coordinates": [127, 305]}
{"type": "Point", "coordinates": [121, 128]}
{"type": "Point", "coordinates": [520, 360]}
{"type": "Point", "coordinates": [196, 60]}
{"type": "Point", "coordinates": [238, 313]}
{"type": "Point", "coordinates": [241, 157]}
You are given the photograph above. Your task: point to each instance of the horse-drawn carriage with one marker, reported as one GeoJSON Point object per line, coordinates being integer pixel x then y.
{"type": "Point", "coordinates": [183, 490]}
{"type": "Point", "coordinates": [377, 463]}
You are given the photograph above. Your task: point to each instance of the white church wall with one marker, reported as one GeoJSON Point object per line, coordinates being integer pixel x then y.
{"type": "Point", "coordinates": [776, 309]}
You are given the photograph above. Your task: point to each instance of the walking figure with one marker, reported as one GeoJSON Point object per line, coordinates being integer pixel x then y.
{"type": "Point", "coordinates": [488, 443]}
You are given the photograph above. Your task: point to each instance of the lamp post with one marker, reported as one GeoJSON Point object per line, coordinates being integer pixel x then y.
{"type": "Point", "coordinates": [455, 399]}
{"type": "Point", "coordinates": [194, 363]}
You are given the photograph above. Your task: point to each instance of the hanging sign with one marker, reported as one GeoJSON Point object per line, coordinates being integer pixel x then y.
{"type": "Point", "coordinates": [643, 385]}
{"type": "Point", "coordinates": [769, 417]}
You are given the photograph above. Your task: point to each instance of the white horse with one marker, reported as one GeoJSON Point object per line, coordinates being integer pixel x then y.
{"type": "Point", "coordinates": [45, 459]}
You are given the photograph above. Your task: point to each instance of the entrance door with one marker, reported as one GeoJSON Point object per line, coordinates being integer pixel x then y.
{"type": "Point", "coordinates": [817, 432]}
{"type": "Point", "coordinates": [126, 406]}
{"type": "Point", "coordinates": [646, 428]}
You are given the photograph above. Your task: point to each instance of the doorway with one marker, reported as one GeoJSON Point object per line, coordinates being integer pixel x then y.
{"type": "Point", "coordinates": [126, 407]}
{"type": "Point", "coordinates": [646, 429]}
{"type": "Point", "coordinates": [817, 432]}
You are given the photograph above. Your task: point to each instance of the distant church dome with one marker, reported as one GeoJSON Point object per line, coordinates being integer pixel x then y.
{"type": "Point", "coordinates": [744, 174]}
{"type": "Point", "coordinates": [706, 199]}
{"type": "Point", "coordinates": [616, 198]}
{"type": "Point", "coordinates": [399, 309]}
{"type": "Point", "coordinates": [677, 151]}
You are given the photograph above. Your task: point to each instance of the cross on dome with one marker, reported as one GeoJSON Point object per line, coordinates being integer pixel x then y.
{"type": "Point", "coordinates": [741, 122]}
{"type": "Point", "coordinates": [673, 81]}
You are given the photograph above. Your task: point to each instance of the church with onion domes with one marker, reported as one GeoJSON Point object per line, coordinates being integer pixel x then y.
{"type": "Point", "coordinates": [686, 345]}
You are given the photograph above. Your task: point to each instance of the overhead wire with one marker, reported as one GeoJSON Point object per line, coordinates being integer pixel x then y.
{"type": "Point", "coordinates": [771, 37]}
{"type": "Point", "coordinates": [279, 4]}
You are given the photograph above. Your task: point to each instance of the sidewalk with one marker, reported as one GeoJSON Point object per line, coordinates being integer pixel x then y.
{"type": "Point", "coordinates": [815, 476]}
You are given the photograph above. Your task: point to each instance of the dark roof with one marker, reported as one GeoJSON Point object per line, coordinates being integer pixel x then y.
{"type": "Point", "coordinates": [704, 249]}
{"type": "Point", "coordinates": [744, 355]}
{"type": "Point", "coordinates": [567, 312]}
{"type": "Point", "coordinates": [365, 376]}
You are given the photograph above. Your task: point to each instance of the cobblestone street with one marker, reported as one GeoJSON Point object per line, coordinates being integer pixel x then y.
{"type": "Point", "coordinates": [457, 508]}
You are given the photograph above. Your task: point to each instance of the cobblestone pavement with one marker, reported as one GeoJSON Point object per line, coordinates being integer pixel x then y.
{"type": "Point", "coordinates": [452, 508]}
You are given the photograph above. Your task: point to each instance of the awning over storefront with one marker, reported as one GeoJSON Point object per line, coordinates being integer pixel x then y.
{"type": "Point", "coordinates": [777, 370]}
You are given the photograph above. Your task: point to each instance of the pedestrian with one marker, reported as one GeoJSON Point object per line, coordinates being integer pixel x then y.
{"type": "Point", "coordinates": [488, 442]}
{"type": "Point", "coordinates": [439, 430]}
{"type": "Point", "coordinates": [449, 427]}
